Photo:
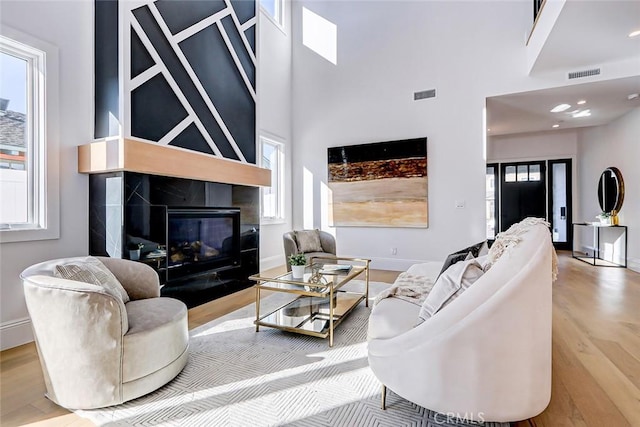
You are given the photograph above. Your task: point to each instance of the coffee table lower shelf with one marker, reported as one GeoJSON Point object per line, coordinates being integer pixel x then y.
{"type": "Point", "coordinates": [310, 315]}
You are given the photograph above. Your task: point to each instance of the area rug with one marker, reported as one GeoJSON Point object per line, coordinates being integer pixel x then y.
{"type": "Point", "coordinates": [237, 377]}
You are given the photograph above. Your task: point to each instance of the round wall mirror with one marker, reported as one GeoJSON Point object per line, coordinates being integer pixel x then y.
{"type": "Point", "coordinates": [611, 190]}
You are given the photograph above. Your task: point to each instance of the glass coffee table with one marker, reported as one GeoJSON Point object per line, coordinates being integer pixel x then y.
{"type": "Point", "coordinates": [321, 304]}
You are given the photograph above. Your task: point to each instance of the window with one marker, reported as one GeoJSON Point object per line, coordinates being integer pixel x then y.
{"type": "Point", "coordinates": [29, 157]}
{"type": "Point", "coordinates": [510, 174]}
{"type": "Point", "coordinates": [523, 173]}
{"type": "Point", "coordinates": [272, 197]}
{"type": "Point", "coordinates": [274, 10]}
{"type": "Point", "coordinates": [491, 213]}
{"type": "Point", "coordinates": [534, 172]}
{"type": "Point", "coordinates": [21, 136]}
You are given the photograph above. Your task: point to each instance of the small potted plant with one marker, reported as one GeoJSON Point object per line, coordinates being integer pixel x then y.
{"type": "Point", "coordinates": [605, 218]}
{"type": "Point", "coordinates": [134, 251]}
{"type": "Point", "coordinates": [298, 263]}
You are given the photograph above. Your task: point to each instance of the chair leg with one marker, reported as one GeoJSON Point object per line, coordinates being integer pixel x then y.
{"type": "Point", "coordinates": [384, 397]}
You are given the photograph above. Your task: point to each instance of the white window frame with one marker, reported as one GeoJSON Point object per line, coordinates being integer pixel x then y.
{"type": "Point", "coordinates": [279, 17]}
{"type": "Point", "coordinates": [42, 133]}
{"type": "Point", "coordinates": [279, 217]}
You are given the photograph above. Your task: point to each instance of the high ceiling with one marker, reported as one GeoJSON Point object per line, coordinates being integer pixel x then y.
{"type": "Point", "coordinates": [531, 111]}
{"type": "Point", "coordinates": [589, 33]}
{"type": "Point", "coordinates": [585, 35]}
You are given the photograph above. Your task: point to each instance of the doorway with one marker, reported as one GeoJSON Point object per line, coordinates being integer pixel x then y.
{"type": "Point", "coordinates": [539, 188]}
{"type": "Point", "coordinates": [522, 192]}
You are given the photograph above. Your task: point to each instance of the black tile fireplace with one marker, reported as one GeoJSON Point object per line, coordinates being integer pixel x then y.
{"type": "Point", "coordinates": [200, 237]}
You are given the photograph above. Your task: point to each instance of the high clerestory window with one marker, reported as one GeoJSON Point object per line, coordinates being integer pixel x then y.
{"type": "Point", "coordinates": [274, 10]}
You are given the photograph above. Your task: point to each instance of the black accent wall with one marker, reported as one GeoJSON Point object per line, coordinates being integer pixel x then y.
{"type": "Point", "coordinates": [128, 207]}
{"type": "Point", "coordinates": [188, 87]}
{"type": "Point", "coordinates": [204, 81]}
{"type": "Point", "coordinates": [106, 66]}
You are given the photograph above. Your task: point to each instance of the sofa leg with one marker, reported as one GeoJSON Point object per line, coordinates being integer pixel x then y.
{"type": "Point", "coordinates": [384, 397]}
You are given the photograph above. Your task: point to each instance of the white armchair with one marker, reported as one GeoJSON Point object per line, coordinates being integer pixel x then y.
{"type": "Point", "coordinates": [96, 351]}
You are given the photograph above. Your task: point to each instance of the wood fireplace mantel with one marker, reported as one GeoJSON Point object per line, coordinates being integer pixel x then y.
{"type": "Point", "coordinates": [130, 155]}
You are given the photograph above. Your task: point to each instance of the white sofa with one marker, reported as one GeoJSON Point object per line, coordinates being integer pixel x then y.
{"type": "Point", "coordinates": [487, 355]}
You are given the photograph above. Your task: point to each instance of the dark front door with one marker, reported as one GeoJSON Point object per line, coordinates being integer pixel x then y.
{"type": "Point", "coordinates": [523, 192]}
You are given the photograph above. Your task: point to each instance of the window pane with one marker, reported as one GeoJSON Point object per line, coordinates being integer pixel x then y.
{"type": "Point", "coordinates": [559, 196]}
{"type": "Point", "coordinates": [267, 154]}
{"type": "Point", "coordinates": [269, 6]}
{"type": "Point", "coordinates": [510, 174]}
{"type": "Point", "coordinates": [490, 202]}
{"type": "Point", "coordinates": [14, 180]}
{"type": "Point", "coordinates": [490, 182]}
{"type": "Point", "coordinates": [271, 196]}
{"type": "Point", "coordinates": [523, 173]}
{"type": "Point", "coordinates": [534, 172]}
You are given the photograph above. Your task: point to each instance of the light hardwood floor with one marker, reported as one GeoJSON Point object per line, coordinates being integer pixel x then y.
{"type": "Point", "coordinates": [596, 354]}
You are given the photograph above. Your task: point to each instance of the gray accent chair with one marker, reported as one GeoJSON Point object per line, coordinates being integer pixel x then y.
{"type": "Point", "coordinates": [96, 351]}
{"type": "Point", "coordinates": [327, 241]}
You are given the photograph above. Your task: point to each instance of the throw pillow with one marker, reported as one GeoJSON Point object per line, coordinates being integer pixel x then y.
{"type": "Point", "coordinates": [454, 258]}
{"type": "Point", "coordinates": [308, 241]}
{"type": "Point", "coordinates": [91, 270]}
{"type": "Point", "coordinates": [450, 286]}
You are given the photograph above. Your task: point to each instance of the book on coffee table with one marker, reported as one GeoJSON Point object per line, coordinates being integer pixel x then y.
{"type": "Point", "coordinates": [335, 268]}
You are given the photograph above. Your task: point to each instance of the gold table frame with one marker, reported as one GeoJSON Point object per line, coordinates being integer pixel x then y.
{"type": "Point", "coordinates": [307, 287]}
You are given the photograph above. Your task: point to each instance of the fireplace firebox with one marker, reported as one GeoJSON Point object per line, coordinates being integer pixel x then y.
{"type": "Point", "coordinates": [202, 240]}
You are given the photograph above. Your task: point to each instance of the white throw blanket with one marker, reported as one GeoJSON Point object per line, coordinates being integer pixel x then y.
{"type": "Point", "coordinates": [506, 240]}
{"type": "Point", "coordinates": [408, 287]}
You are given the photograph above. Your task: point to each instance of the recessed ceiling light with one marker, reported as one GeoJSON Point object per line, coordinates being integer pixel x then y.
{"type": "Point", "coordinates": [581, 102]}
{"type": "Point", "coordinates": [555, 126]}
{"type": "Point", "coordinates": [488, 129]}
{"type": "Point", "coordinates": [559, 108]}
{"type": "Point", "coordinates": [583, 113]}
{"type": "Point", "coordinates": [635, 33]}
{"type": "Point", "coordinates": [632, 96]}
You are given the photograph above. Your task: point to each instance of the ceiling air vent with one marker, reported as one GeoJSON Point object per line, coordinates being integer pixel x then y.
{"type": "Point", "coordinates": [431, 93]}
{"type": "Point", "coordinates": [583, 73]}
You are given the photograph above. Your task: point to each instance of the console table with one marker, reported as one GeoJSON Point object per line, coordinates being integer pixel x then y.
{"type": "Point", "coordinates": [596, 259]}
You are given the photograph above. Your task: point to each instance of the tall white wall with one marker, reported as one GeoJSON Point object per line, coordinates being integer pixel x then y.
{"type": "Point", "coordinates": [69, 26]}
{"type": "Point", "coordinates": [615, 144]}
{"type": "Point", "coordinates": [274, 120]}
{"type": "Point", "coordinates": [386, 51]}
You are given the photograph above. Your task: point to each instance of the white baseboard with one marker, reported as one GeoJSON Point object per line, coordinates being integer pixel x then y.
{"type": "Point", "coordinates": [271, 262]}
{"type": "Point", "coordinates": [633, 264]}
{"type": "Point", "coordinates": [15, 333]}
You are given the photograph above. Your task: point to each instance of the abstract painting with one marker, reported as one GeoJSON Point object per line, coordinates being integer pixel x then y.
{"type": "Point", "coordinates": [382, 184]}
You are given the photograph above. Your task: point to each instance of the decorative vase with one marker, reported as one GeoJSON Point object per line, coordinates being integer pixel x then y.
{"type": "Point", "coordinates": [297, 271]}
{"type": "Point", "coordinates": [614, 218]}
{"type": "Point", "coordinates": [134, 254]}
